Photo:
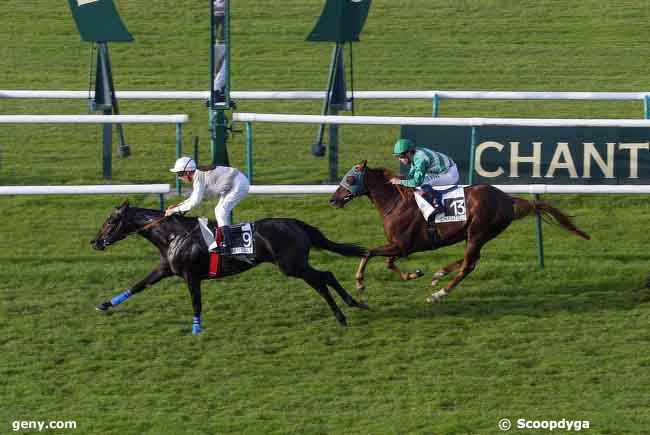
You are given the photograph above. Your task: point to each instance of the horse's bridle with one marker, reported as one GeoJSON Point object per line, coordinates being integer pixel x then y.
{"type": "Point", "coordinates": [356, 191]}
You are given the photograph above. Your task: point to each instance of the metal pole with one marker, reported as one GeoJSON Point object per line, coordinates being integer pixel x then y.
{"type": "Point", "coordinates": [646, 106]}
{"type": "Point", "coordinates": [196, 150]}
{"type": "Point", "coordinates": [540, 241]}
{"type": "Point", "coordinates": [472, 156]}
{"type": "Point", "coordinates": [334, 148]}
{"type": "Point", "coordinates": [436, 103]}
{"type": "Point", "coordinates": [212, 59]}
{"type": "Point", "coordinates": [107, 148]}
{"type": "Point", "coordinates": [226, 30]}
{"type": "Point", "coordinates": [249, 151]}
{"type": "Point", "coordinates": [317, 148]}
{"type": "Point", "coordinates": [162, 202]}
{"type": "Point", "coordinates": [218, 122]}
{"type": "Point", "coordinates": [179, 151]}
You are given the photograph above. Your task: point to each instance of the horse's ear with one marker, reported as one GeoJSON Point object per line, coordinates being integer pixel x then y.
{"type": "Point", "coordinates": [362, 165]}
{"type": "Point", "coordinates": [124, 205]}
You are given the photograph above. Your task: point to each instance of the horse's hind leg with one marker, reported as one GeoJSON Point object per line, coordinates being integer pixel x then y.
{"type": "Point", "coordinates": [318, 281]}
{"type": "Point", "coordinates": [349, 300]}
{"type": "Point", "coordinates": [472, 255]}
{"type": "Point", "coordinates": [405, 276]}
{"type": "Point", "coordinates": [446, 270]}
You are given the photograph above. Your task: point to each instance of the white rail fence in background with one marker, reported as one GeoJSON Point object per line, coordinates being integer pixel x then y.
{"type": "Point", "coordinates": [320, 95]}
{"type": "Point", "coordinates": [433, 95]}
{"type": "Point", "coordinates": [112, 189]}
{"type": "Point", "coordinates": [108, 189]}
{"type": "Point", "coordinates": [533, 189]}
{"type": "Point", "coordinates": [93, 119]}
{"type": "Point", "coordinates": [417, 120]}
{"type": "Point", "coordinates": [474, 123]}
{"type": "Point", "coordinates": [179, 120]}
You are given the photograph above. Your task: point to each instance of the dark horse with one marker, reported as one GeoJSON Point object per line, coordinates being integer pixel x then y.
{"type": "Point", "coordinates": [489, 212]}
{"type": "Point", "coordinates": [183, 252]}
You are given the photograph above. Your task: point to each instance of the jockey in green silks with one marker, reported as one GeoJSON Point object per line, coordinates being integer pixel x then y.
{"type": "Point", "coordinates": [426, 168]}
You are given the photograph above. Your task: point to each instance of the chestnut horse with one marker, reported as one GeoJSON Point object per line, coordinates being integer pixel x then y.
{"type": "Point", "coordinates": [489, 212]}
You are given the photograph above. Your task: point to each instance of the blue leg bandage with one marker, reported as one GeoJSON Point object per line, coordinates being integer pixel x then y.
{"type": "Point", "coordinates": [196, 325]}
{"type": "Point", "coordinates": [121, 297]}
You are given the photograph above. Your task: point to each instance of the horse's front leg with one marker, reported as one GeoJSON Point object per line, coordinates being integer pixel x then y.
{"type": "Point", "coordinates": [382, 251]}
{"type": "Point", "coordinates": [156, 275]}
{"type": "Point", "coordinates": [405, 276]}
{"type": "Point", "coordinates": [194, 286]}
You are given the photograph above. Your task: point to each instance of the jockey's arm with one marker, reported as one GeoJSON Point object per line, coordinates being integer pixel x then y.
{"type": "Point", "coordinates": [195, 198]}
{"type": "Point", "coordinates": [416, 174]}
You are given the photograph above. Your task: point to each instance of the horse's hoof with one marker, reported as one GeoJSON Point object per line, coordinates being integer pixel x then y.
{"type": "Point", "coordinates": [103, 307]}
{"type": "Point", "coordinates": [196, 329]}
{"type": "Point", "coordinates": [436, 278]}
{"type": "Point", "coordinates": [418, 273]}
{"type": "Point", "coordinates": [363, 305]}
{"type": "Point", "coordinates": [435, 297]}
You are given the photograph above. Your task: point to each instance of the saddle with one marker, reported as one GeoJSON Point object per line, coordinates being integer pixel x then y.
{"type": "Point", "coordinates": [235, 241]}
{"type": "Point", "coordinates": [446, 204]}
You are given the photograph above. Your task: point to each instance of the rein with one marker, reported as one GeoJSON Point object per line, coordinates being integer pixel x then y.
{"type": "Point", "coordinates": [151, 224]}
{"type": "Point", "coordinates": [159, 221]}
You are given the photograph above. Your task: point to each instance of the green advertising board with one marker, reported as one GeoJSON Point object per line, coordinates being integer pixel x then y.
{"type": "Point", "coordinates": [542, 155]}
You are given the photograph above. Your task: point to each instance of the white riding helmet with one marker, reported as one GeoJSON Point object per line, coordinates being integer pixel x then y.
{"type": "Point", "coordinates": [184, 164]}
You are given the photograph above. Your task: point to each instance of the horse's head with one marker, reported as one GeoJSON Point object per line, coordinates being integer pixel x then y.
{"type": "Point", "coordinates": [114, 229]}
{"type": "Point", "coordinates": [352, 185]}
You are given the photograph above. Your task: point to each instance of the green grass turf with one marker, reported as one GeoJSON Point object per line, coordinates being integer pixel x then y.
{"type": "Point", "coordinates": [513, 342]}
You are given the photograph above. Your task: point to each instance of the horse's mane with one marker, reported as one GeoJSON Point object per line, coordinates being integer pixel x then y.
{"type": "Point", "coordinates": [387, 174]}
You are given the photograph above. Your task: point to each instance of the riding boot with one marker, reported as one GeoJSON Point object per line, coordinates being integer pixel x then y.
{"type": "Point", "coordinates": [437, 209]}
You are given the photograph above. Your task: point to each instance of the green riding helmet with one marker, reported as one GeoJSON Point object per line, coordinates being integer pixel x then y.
{"type": "Point", "coordinates": [402, 146]}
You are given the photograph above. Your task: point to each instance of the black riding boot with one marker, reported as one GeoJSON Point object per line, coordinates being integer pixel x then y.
{"type": "Point", "coordinates": [437, 209]}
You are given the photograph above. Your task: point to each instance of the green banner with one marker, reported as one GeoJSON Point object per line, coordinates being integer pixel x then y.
{"type": "Point", "coordinates": [542, 155]}
{"type": "Point", "coordinates": [99, 21]}
{"type": "Point", "coordinates": [341, 21]}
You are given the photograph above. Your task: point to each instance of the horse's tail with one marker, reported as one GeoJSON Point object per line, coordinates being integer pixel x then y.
{"type": "Point", "coordinates": [319, 241]}
{"type": "Point", "coordinates": [524, 208]}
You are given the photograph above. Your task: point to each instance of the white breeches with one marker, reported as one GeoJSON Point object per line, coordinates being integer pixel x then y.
{"type": "Point", "coordinates": [230, 199]}
{"type": "Point", "coordinates": [449, 178]}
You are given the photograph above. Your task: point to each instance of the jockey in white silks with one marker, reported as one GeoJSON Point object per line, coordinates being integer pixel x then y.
{"type": "Point", "coordinates": [230, 184]}
{"type": "Point", "coordinates": [427, 168]}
